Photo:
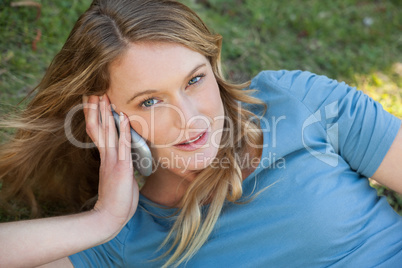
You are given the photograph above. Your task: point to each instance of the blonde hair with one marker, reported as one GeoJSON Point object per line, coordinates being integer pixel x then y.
{"type": "Point", "coordinates": [39, 165]}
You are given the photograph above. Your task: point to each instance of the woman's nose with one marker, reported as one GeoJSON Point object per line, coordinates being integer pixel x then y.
{"type": "Point", "coordinates": [188, 115]}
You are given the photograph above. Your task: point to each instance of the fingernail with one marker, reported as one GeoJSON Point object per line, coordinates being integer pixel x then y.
{"type": "Point", "coordinates": [84, 98]}
{"type": "Point", "coordinates": [100, 98]}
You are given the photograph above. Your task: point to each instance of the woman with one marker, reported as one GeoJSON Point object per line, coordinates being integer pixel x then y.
{"type": "Point", "coordinates": [231, 185]}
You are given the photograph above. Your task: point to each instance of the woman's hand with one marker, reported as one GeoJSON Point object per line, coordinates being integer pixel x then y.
{"type": "Point", "coordinates": [118, 190]}
{"type": "Point", "coordinates": [36, 242]}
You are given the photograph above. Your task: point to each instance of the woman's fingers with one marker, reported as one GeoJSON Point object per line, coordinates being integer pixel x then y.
{"type": "Point", "coordinates": [125, 140]}
{"type": "Point", "coordinates": [92, 120]}
{"type": "Point", "coordinates": [101, 128]}
{"type": "Point", "coordinates": [108, 128]}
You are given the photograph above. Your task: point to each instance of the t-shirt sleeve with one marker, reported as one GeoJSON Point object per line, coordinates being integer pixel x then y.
{"type": "Point", "coordinates": [110, 254]}
{"type": "Point", "coordinates": [359, 129]}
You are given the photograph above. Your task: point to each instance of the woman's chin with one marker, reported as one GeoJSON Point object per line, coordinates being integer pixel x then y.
{"type": "Point", "coordinates": [196, 162]}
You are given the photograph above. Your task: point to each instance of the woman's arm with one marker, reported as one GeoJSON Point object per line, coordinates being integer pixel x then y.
{"type": "Point", "coordinates": [389, 173]}
{"type": "Point", "coordinates": [36, 242]}
{"type": "Point", "coordinates": [61, 263]}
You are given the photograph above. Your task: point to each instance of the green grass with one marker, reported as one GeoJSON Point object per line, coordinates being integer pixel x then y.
{"type": "Point", "coordinates": [358, 42]}
{"type": "Point", "coordinates": [328, 37]}
{"type": "Point", "coordinates": [21, 68]}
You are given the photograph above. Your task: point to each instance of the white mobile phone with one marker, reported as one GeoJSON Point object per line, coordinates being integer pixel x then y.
{"type": "Point", "coordinates": [141, 154]}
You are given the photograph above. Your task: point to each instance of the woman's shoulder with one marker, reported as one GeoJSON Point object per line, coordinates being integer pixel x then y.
{"type": "Point", "coordinates": [311, 89]}
{"type": "Point", "coordinates": [290, 80]}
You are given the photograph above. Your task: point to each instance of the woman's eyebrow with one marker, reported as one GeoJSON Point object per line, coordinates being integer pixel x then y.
{"type": "Point", "coordinates": [196, 69]}
{"type": "Point", "coordinates": [150, 91]}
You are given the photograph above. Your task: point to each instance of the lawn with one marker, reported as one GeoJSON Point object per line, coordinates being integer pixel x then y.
{"type": "Point", "coordinates": [358, 42]}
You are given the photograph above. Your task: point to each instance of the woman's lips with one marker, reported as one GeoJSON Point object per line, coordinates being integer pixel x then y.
{"type": "Point", "coordinates": [200, 141]}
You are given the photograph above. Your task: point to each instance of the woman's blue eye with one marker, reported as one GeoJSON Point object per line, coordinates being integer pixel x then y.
{"type": "Point", "coordinates": [194, 80]}
{"type": "Point", "coordinates": [149, 102]}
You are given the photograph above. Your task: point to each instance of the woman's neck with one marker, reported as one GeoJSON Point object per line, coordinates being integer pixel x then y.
{"type": "Point", "coordinates": [166, 187]}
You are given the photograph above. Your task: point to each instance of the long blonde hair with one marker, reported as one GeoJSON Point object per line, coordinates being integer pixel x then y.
{"type": "Point", "coordinates": [39, 166]}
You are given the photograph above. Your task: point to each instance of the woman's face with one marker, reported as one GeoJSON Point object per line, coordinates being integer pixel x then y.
{"type": "Point", "coordinates": [171, 96]}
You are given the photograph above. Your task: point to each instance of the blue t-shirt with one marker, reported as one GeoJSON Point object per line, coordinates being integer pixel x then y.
{"type": "Point", "coordinates": [322, 139]}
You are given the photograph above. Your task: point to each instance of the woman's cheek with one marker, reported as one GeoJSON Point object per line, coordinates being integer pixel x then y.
{"type": "Point", "coordinates": [154, 127]}
{"type": "Point", "coordinates": [214, 103]}
{"type": "Point", "coordinates": [142, 125]}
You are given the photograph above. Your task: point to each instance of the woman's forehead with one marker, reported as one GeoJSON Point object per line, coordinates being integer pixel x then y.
{"type": "Point", "coordinates": [148, 63]}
